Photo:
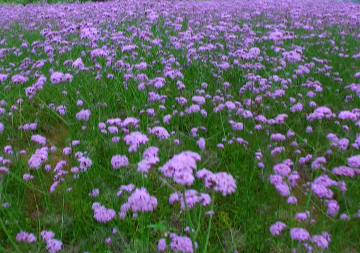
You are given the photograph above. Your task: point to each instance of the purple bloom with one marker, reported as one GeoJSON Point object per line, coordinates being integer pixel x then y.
{"type": "Point", "coordinates": [37, 159]}
{"type": "Point", "coordinates": [201, 143]}
{"type": "Point", "coordinates": [102, 214]}
{"type": "Point", "coordinates": [181, 167]}
{"type": "Point", "coordinates": [354, 161]}
{"type": "Point", "coordinates": [277, 227]}
{"type": "Point", "coordinates": [25, 237]}
{"type": "Point", "coordinates": [162, 244]}
{"type": "Point", "coordinates": [134, 140]}
{"type": "Point", "coordinates": [83, 115]}
{"type": "Point", "coordinates": [140, 201]}
{"type": "Point", "coordinates": [321, 241]}
{"type": "Point", "coordinates": [282, 169]}
{"type": "Point", "coordinates": [160, 132]}
{"type": "Point", "coordinates": [299, 234]}
{"type": "Point", "coordinates": [181, 243]}
{"type": "Point", "coordinates": [118, 161]}
{"type": "Point", "coordinates": [39, 139]}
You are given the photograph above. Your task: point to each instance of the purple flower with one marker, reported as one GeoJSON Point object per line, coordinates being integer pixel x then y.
{"type": "Point", "coordinates": [201, 143]}
{"type": "Point", "coordinates": [354, 161]}
{"type": "Point", "coordinates": [141, 201]}
{"type": "Point", "coordinates": [83, 115]}
{"type": "Point", "coordinates": [333, 207]}
{"type": "Point", "coordinates": [25, 237]}
{"type": "Point", "coordinates": [94, 193]}
{"type": "Point", "coordinates": [19, 79]}
{"type": "Point", "coordinates": [27, 177]}
{"type": "Point", "coordinates": [282, 169]}
{"type": "Point", "coordinates": [299, 234]}
{"type": "Point", "coordinates": [102, 214]}
{"type": "Point", "coordinates": [277, 227]}
{"type": "Point", "coordinates": [47, 235]}
{"type": "Point", "coordinates": [134, 140]}
{"type": "Point", "coordinates": [344, 171]}
{"type": "Point", "coordinates": [181, 167]}
{"type": "Point", "coordinates": [37, 159]}
{"type": "Point", "coordinates": [321, 241]}
{"type": "Point", "coordinates": [347, 115]}
{"type": "Point", "coordinates": [181, 243]}
{"type": "Point", "coordinates": [162, 244]}
{"type": "Point", "coordinates": [118, 161]}
{"type": "Point", "coordinates": [160, 132]}
{"type": "Point", "coordinates": [4, 170]}
{"type": "Point", "coordinates": [39, 139]}
{"type": "Point", "coordinates": [220, 181]}
{"type": "Point", "coordinates": [53, 245]}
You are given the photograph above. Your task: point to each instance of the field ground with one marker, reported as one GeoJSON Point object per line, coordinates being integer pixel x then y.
{"type": "Point", "coordinates": [110, 111]}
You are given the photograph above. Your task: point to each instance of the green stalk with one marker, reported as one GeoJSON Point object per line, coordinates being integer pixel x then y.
{"type": "Point", "coordinates": [198, 223]}
{"type": "Point", "coordinates": [210, 219]}
{"type": "Point", "coordinates": [188, 221]}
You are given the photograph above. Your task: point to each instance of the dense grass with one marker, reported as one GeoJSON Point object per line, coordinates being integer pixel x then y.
{"type": "Point", "coordinates": [242, 220]}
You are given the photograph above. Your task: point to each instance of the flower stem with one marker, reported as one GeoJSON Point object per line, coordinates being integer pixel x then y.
{"type": "Point", "coordinates": [210, 219]}
{"type": "Point", "coordinates": [188, 221]}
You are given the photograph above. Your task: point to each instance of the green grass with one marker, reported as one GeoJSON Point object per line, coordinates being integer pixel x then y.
{"type": "Point", "coordinates": [242, 220]}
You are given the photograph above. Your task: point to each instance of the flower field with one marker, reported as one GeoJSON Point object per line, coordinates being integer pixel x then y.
{"type": "Point", "coordinates": [180, 126]}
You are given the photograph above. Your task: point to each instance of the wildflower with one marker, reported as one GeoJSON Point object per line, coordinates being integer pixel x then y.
{"type": "Point", "coordinates": [160, 132]}
{"type": "Point", "coordinates": [25, 237]}
{"type": "Point", "coordinates": [83, 115]}
{"type": "Point", "coordinates": [140, 201]}
{"type": "Point", "coordinates": [102, 214]}
{"type": "Point", "coordinates": [39, 139]}
{"type": "Point", "coordinates": [277, 227]}
{"type": "Point", "coordinates": [162, 244]}
{"type": "Point", "coordinates": [134, 140]}
{"type": "Point", "coordinates": [181, 167]}
{"type": "Point", "coordinates": [201, 143]}
{"type": "Point", "coordinates": [181, 243]}
{"type": "Point", "coordinates": [118, 161]}
{"type": "Point", "coordinates": [299, 234]}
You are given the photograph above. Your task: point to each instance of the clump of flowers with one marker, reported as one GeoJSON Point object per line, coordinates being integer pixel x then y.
{"type": "Point", "coordinates": [102, 214]}
{"type": "Point", "coordinates": [134, 140]}
{"type": "Point", "coordinates": [221, 181]}
{"type": "Point", "coordinates": [118, 161]}
{"type": "Point", "coordinates": [180, 167]}
{"type": "Point", "coordinates": [23, 236]}
{"type": "Point", "coordinates": [52, 245]}
{"type": "Point", "coordinates": [139, 201]}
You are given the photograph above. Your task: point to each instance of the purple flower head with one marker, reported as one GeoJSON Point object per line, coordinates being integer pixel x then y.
{"type": "Point", "coordinates": [354, 161]}
{"type": "Point", "coordinates": [299, 234]}
{"type": "Point", "coordinates": [220, 181]}
{"type": "Point", "coordinates": [192, 197]}
{"type": "Point", "coordinates": [53, 245]}
{"type": "Point", "coordinates": [282, 169]}
{"type": "Point", "coordinates": [181, 243]}
{"type": "Point", "coordinates": [47, 235]}
{"type": "Point", "coordinates": [39, 139]}
{"type": "Point", "coordinates": [159, 132]}
{"type": "Point", "coordinates": [277, 227]}
{"type": "Point", "coordinates": [141, 201]}
{"type": "Point", "coordinates": [118, 161]}
{"type": "Point", "coordinates": [25, 237]}
{"type": "Point", "coordinates": [180, 167]}
{"type": "Point", "coordinates": [83, 115]}
{"type": "Point", "coordinates": [322, 241]}
{"type": "Point", "coordinates": [134, 140]}
{"type": "Point", "coordinates": [102, 214]}
{"type": "Point", "coordinates": [162, 244]}
{"type": "Point", "coordinates": [37, 159]}
{"type": "Point", "coordinates": [201, 143]}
